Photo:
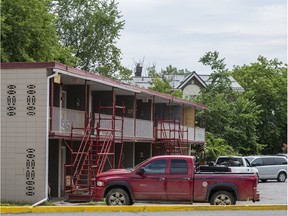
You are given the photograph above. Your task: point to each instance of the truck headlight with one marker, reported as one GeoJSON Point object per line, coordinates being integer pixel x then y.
{"type": "Point", "coordinates": [100, 183]}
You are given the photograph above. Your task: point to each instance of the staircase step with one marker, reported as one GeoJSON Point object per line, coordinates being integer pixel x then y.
{"type": "Point", "coordinates": [85, 152]}
{"type": "Point", "coordinates": [83, 187]}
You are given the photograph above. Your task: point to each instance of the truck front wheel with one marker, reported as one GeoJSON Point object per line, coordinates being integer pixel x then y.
{"type": "Point", "coordinates": [117, 196]}
{"type": "Point", "coordinates": [222, 198]}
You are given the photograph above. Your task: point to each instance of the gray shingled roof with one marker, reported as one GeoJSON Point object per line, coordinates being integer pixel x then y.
{"type": "Point", "coordinates": [177, 80]}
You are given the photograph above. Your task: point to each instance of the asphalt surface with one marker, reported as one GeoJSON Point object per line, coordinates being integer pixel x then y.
{"type": "Point", "coordinates": [182, 213]}
{"type": "Point", "coordinates": [273, 192]}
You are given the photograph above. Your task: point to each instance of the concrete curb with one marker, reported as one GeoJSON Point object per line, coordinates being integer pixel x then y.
{"type": "Point", "coordinates": [142, 208]}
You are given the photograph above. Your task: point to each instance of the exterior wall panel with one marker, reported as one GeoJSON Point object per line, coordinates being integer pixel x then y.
{"type": "Point", "coordinates": [23, 135]}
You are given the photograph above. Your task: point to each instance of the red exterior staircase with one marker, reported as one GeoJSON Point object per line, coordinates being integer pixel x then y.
{"type": "Point", "coordinates": [94, 154]}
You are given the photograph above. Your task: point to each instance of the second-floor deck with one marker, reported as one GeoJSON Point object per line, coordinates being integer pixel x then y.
{"type": "Point", "coordinates": [62, 120]}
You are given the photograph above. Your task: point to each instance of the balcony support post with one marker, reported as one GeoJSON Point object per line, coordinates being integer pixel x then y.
{"type": "Point", "coordinates": [134, 114]}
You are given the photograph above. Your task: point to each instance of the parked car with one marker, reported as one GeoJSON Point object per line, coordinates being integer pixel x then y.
{"type": "Point", "coordinates": [270, 167]}
{"type": "Point", "coordinates": [283, 155]}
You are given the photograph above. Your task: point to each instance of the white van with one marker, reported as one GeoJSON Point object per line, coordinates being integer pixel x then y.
{"type": "Point", "coordinates": [270, 167]}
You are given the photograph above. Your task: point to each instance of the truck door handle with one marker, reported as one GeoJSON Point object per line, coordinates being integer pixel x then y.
{"type": "Point", "coordinates": [187, 178]}
{"type": "Point", "coordinates": [161, 179]}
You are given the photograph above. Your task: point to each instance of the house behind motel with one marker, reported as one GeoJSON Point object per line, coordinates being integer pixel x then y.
{"type": "Point", "coordinates": [61, 126]}
{"type": "Point", "coordinates": [191, 83]}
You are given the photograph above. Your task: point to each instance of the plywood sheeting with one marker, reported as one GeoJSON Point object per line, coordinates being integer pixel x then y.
{"type": "Point", "coordinates": [189, 116]}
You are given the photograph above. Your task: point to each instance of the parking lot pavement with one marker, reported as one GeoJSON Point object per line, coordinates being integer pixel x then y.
{"type": "Point", "coordinates": [273, 192]}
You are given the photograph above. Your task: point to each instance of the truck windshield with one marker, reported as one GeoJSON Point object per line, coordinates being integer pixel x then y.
{"type": "Point", "coordinates": [131, 169]}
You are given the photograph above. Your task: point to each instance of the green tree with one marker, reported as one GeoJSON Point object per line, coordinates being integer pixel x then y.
{"type": "Point", "coordinates": [267, 81]}
{"type": "Point", "coordinates": [212, 59]}
{"type": "Point", "coordinates": [216, 146]}
{"type": "Point", "coordinates": [28, 33]}
{"type": "Point", "coordinates": [91, 29]}
{"type": "Point", "coordinates": [152, 72]}
{"type": "Point", "coordinates": [241, 132]}
{"type": "Point", "coordinates": [230, 116]}
{"type": "Point", "coordinates": [169, 70]}
{"type": "Point", "coordinates": [124, 73]}
{"type": "Point", "coordinates": [219, 78]}
{"type": "Point", "coordinates": [162, 83]}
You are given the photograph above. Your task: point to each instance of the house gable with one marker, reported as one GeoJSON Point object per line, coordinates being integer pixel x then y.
{"type": "Point", "coordinates": [191, 85]}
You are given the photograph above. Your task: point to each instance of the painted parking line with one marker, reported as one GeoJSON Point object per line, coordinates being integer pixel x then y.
{"type": "Point", "coordinates": [142, 208]}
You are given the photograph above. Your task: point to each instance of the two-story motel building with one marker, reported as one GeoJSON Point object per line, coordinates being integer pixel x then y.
{"type": "Point", "coordinates": [60, 125]}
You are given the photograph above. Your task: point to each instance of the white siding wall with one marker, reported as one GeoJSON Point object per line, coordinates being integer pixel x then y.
{"type": "Point", "coordinates": [23, 134]}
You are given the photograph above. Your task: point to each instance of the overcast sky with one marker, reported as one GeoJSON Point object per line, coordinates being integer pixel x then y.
{"type": "Point", "coordinates": [180, 32]}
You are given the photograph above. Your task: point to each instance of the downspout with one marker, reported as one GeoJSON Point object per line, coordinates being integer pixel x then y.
{"type": "Point", "coordinates": [47, 140]}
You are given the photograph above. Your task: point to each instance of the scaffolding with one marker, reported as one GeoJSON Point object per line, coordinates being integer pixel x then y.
{"type": "Point", "coordinates": [172, 138]}
{"type": "Point", "coordinates": [94, 154]}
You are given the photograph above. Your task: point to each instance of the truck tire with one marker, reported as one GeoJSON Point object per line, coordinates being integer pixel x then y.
{"type": "Point", "coordinates": [222, 198]}
{"type": "Point", "coordinates": [117, 196]}
{"type": "Point", "coordinates": [281, 177]}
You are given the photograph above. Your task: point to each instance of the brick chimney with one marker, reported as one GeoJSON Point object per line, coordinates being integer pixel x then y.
{"type": "Point", "coordinates": [138, 72]}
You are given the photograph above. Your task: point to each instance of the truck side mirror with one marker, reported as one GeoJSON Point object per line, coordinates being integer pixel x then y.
{"type": "Point", "coordinates": [141, 171]}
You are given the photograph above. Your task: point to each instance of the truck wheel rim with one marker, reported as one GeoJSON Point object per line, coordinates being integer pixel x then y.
{"type": "Point", "coordinates": [222, 200]}
{"type": "Point", "coordinates": [117, 199]}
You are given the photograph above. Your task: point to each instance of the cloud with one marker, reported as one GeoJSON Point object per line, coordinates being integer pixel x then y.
{"type": "Point", "coordinates": [180, 32]}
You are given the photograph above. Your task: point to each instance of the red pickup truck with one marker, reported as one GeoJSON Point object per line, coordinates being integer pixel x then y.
{"type": "Point", "coordinates": [174, 178]}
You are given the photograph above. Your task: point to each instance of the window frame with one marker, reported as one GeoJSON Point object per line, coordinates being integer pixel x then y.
{"type": "Point", "coordinates": [176, 162]}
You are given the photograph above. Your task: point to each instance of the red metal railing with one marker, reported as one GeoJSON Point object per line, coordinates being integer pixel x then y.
{"type": "Point", "coordinates": [172, 137]}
